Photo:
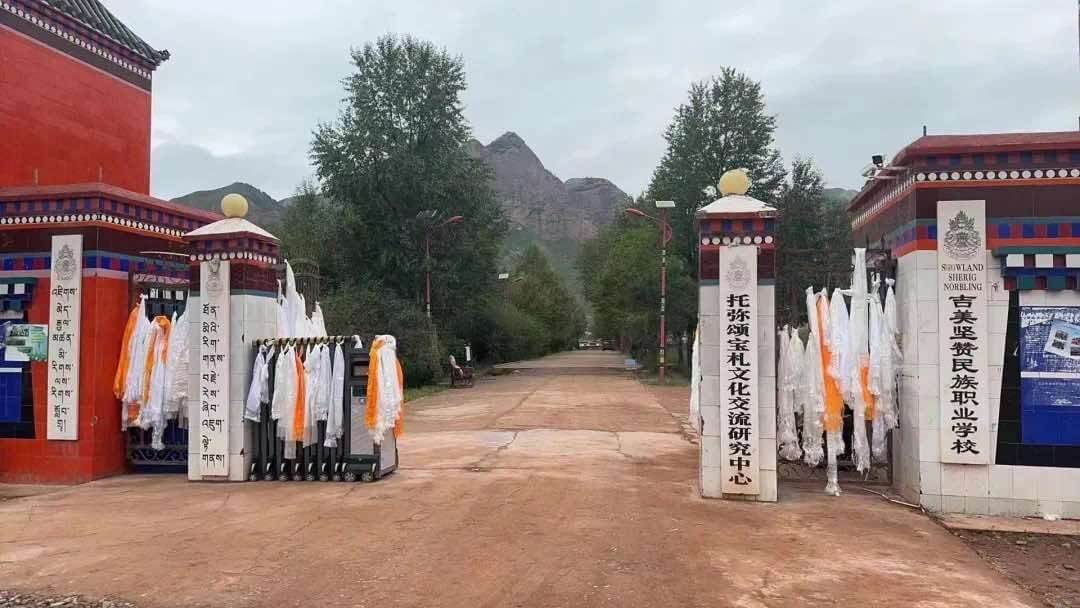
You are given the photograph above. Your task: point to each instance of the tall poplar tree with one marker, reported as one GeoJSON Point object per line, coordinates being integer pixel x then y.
{"type": "Point", "coordinates": [722, 125]}
{"type": "Point", "coordinates": [397, 152]}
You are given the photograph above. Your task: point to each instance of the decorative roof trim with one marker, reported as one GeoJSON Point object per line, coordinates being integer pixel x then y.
{"type": "Point", "coordinates": [78, 34]}
{"type": "Point", "coordinates": [737, 240]}
{"type": "Point", "coordinates": [999, 175]}
{"type": "Point", "coordinates": [734, 205]}
{"type": "Point", "coordinates": [234, 255]}
{"type": "Point", "coordinates": [101, 190]}
{"type": "Point", "coordinates": [987, 143]}
{"type": "Point", "coordinates": [967, 148]}
{"type": "Point", "coordinates": [965, 178]}
{"type": "Point", "coordinates": [99, 219]}
{"type": "Point", "coordinates": [885, 199]}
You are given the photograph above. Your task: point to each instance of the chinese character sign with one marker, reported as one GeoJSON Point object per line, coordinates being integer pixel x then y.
{"type": "Point", "coordinates": [964, 380]}
{"type": "Point", "coordinates": [739, 465]}
{"type": "Point", "coordinates": [213, 343]}
{"type": "Point", "coordinates": [65, 308]}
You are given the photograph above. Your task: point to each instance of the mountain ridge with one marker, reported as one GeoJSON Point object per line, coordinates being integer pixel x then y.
{"type": "Point", "coordinates": [536, 199]}
{"type": "Point", "coordinates": [542, 209]}
{"type": "Point", "coordinates": [263, 209]}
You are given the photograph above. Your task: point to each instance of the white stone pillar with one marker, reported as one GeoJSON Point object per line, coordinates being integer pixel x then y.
{"type": "Point", "coordinates": [234, 283]}
{"type": "Point", "coordinates": [737, 317]}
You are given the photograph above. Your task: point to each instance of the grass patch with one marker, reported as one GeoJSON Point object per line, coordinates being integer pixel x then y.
{"type": "Point", "coordinates": [671, 378]}
{"type": "Point", "coordinates": [419, 392]}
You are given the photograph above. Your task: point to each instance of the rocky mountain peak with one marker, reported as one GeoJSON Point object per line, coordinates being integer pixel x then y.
{"type": "Point", "coordinates": [511, 144]}
{"type": "Point", "coordinates": [538, 201]}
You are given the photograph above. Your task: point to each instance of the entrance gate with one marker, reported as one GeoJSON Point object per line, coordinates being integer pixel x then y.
{"type": "Point", "coordinates": [798, 269]}
{"type": "Point", "coordinates": [166, 291]}
{"type": "Point", "coordinates": [163, 278]}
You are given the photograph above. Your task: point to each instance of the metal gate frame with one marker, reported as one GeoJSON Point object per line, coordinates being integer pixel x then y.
{"type": "Point", "coordinates": [349, 461]}
{"type": "Point", "coordinates": [165, 295]}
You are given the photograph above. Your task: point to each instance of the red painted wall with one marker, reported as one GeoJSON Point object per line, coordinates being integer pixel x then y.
{"type": "Point", "coordinates": [66, 119]}
{"type": "Point", "coordinates": [99, 451]}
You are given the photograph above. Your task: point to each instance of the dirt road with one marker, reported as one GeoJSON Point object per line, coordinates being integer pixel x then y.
{"type": "Point", "coordinates": [540, 488]}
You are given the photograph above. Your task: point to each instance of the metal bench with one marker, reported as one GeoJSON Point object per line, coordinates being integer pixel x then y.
{"type": "Point", "coordinates": [460, 376]}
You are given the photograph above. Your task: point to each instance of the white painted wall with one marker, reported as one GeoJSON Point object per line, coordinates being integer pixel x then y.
{"type": "Point", "coordinates": [918, 472]}
{"type": "Point", "coordinates": [251, 317]}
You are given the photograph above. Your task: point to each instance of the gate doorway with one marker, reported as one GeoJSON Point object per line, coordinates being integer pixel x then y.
{"type": "Point", "coordinates": [165, 284]}
{"type": "Point", "coordinates": [798, 269]}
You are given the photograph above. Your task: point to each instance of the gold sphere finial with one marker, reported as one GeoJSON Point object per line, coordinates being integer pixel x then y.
{"type": "Point", "coordinates": [234, 205]}
{"type": "Point", "coordinates": [735, 181]}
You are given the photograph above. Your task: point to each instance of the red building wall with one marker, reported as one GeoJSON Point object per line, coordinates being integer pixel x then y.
{"type": "Point", "coordinates": [111, 253]}
{"type": "Point", "coordinates": [66, 119]}
{"type": "Point", "coordinates": [99, 451]}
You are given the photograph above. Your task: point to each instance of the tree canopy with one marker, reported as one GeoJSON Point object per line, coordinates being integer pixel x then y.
{"type": "Point", "coordinates": [390, 172]}
{"type": "Point", "coordinates": [722, 125]}
{"type": "Point", "coordinates": [537, 291]}
{"type": "Point", "coordinates": [620, 271]}
{"type": "Point", "coordinates": [813, 239]}
{"type": "Point", "coordinates": [396, 153]}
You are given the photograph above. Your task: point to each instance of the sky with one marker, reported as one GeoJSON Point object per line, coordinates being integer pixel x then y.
{"type": "Point", "coordinates": [591, 85]}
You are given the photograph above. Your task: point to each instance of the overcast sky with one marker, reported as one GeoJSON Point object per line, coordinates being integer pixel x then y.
{"type": "Point", "coordinates": [590, 85]}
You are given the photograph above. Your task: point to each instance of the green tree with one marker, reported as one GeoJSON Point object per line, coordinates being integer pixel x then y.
{"type": "Point", "coordinates": [371, 309]}
{"type": "Point", "coordinates": [620, 271]}
{"type": "Point", "coordinates": [307, 226]}
{"type": "Point", "coordinates": [537, 291]}
{"type": "Point", "coordinates": [390, 171]}
{"type": "Point", "coordinates": [722, 125]}
{"type": "Point", "coordinates": [813, 239]}
{"type": "Point", "coordinates": [395, 153]}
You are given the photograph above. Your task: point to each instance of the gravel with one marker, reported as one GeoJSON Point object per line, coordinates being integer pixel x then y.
{"type": "Point", "coordinates": [11, 598]}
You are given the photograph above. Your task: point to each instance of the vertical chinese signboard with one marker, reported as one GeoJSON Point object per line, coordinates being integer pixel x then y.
{"type": "Point", "coordinates": [65, 308]}
{"type": "Point", "coordinates": [214, 368]}
{"type": "Point", "coordinates": [739, 465]}
{"type": "Point", "coordinates": [962, 332]}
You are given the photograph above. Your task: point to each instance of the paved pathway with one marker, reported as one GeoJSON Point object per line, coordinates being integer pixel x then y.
{"type": "Point", "coordinates": [528, 490]}
{"type": "Point", "coordinates": [575, 362]}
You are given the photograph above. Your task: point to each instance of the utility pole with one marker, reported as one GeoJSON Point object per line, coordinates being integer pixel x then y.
{"type": "Point", "coordinates": [428, 230]}
{"type": "Point", "coordinates": [665, 239]}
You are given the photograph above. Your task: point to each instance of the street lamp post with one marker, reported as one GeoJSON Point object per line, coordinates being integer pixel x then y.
{"type": "Point", "coordinates": [457, 219]}
{"type": "Point", "coordinates": [665, 238]}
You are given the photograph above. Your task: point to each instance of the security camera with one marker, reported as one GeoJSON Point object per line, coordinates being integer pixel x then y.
{"type": "Point", "coordinates": [878, 159]}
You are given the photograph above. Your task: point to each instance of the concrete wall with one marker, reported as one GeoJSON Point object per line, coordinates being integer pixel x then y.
{"type": "Point", "coordinates": [251, 317]}
{"type": "Point", "coordinates": [918, 473]}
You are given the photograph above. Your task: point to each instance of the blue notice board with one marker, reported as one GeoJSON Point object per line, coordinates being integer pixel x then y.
{"type": "Point", "coordinates": [1050, 375]}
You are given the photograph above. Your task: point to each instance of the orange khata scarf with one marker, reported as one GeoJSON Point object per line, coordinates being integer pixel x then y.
{"type": "Point", "coordinates": [868, 397]}
{"type": "Point", "coordinates": [372, 417]}
{"type": "Point", "coordinates": [125, 354]}
{"type": "Point", "coordinates": [834, 400]}
{"type": "Point", "coordinates": [301, 400]}
{"type": "Point", "coordinates": [166, 326]}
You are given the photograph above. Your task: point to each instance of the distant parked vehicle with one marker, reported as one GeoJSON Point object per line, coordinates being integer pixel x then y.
{"type": "Point", "coordinates": [608, 345]}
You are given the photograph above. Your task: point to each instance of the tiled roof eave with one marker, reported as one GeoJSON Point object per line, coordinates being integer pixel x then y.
{"type": "Point", "coordinates": [134, 49]}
